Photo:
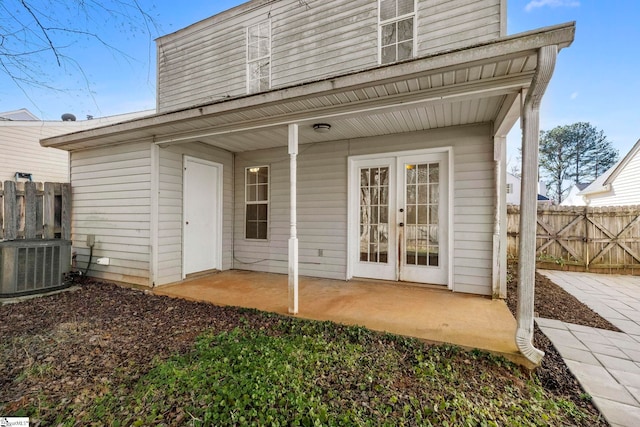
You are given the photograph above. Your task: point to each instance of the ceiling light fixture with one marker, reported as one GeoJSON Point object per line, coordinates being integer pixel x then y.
{"type": "Point", "coordinates": [322, 127]}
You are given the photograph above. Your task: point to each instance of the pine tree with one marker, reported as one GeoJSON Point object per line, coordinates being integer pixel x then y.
{"type": "Point", "coordinates": [573, 154]}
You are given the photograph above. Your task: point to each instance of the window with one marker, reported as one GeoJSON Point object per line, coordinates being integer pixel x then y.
{"type": "Point", "coordinates": [397, 23]}
{"type": "Point", "coordinates": [256, 202]}
{"type": "Point", "coordinates": [259, 57]}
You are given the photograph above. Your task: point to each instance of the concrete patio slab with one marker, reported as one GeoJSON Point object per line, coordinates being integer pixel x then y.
{"type": "Point", "coordinates": [427, 313]}
{"type": "Point", "coordinates": [619, 414]}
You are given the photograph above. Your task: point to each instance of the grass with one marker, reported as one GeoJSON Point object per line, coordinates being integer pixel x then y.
{"type": "Point", "coordinates": [305, 373]}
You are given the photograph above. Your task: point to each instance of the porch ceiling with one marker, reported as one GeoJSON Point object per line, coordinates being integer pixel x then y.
{"type": "Point", "coordinates": [476, 85]}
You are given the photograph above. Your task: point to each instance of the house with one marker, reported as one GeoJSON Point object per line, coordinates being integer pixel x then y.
{"type": "Point", "coordinates": [513, 184]}
{"type": "Point", "coordinates": [334, 138]}
{"type": "Point", "coordinates": [20, 134]}
{"type": "Point", "coordinates": [619, 185]}
{"type": "Point", "coordinates": [573, 197]}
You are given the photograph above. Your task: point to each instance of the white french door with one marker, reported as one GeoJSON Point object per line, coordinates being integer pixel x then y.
{"type": "Point", "coordinates": [399, 217]}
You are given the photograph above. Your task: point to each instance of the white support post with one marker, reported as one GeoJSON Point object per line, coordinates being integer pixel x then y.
{"type": "Point", "coordinates": [293, 238]}
{"type": "Point", "coordinates": [499, 273]}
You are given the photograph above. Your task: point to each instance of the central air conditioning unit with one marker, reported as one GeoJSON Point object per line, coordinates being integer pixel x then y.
{"type": "Point", "coordinates": [32, 266]}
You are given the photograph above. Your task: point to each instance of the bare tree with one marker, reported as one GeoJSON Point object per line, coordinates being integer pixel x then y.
{"type": "Point", "coordinates": [35, 35]}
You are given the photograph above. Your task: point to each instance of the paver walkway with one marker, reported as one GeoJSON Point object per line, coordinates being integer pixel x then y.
{"type": "Point", "coordinates": [606, 363]}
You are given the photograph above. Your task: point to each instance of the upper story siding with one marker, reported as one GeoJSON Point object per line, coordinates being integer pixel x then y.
{"type": "Point", "coordinates": [310, 40]}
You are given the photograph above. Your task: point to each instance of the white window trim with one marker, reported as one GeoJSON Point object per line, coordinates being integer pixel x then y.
{"type": "Point", "coordinates": [248, 61]}
{"type": "Point", "coordinates": [268, 203]}
{"type": "Point", "coordinates": [398, 18]}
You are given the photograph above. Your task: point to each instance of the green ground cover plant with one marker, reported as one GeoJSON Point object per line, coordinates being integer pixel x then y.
{"type": "Point", "coordinates": [306, 373]}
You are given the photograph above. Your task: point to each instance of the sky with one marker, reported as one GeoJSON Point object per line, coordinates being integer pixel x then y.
{"type": "Point", "coordinates": [596, 79]}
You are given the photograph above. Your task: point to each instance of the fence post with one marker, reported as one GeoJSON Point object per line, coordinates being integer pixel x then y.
{"type": "Point", "coordinates": [10, 211]}
{"type": "Point", "coordinates": [65, 212]}
{"type": "Point", "coordinates": [49, 211]}
{"type": "Point", "coordinates": [30, 210]}
{"type": "Point", "coordinates": [587, 241]}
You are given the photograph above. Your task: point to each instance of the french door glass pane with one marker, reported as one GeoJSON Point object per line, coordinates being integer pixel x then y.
{"type": "Point", "coordinates": [421, 214]}
{"type": "Point", "coordinates": [374, 214]}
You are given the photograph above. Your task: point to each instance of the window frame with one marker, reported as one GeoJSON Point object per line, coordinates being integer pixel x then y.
{"type": "Point", "coordinates": [266, 202]}
{"type": "Point", "coordinates": [250, 61]}
{"type": "Point", "coordinates": [396, 19]}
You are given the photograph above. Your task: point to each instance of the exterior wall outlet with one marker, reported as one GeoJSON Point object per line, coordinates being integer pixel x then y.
{"type": "Point", "coordinates": [91, 240]}
{"type": "Point", "coordinates": [102, 261]}
{"type": "Point", "coordinates": [320, 252]}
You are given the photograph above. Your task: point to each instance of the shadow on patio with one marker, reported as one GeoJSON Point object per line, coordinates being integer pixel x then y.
{"type": "Point", "coordinates": [434, 315]}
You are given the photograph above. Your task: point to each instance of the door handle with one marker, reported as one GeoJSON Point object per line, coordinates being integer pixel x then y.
{"type": "Point", "coordinates": [401, 224]}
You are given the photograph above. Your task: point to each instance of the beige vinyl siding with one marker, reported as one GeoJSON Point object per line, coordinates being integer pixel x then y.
{"type": "Point", "coordinates": [322, 211]}
{"type": "Point", "coordinates": [323, 200]}
{"type": "Point", "coordinates": [111, 199]}
{"type": "Point", "coordinates": [324, 40]}
{"type": "Point", "coordinates": [170, 204]}
{"type": "Point", "coordinates": [206, 62]}
{"type": "Point", "coordinates": [625, 187]}
{"type": "Point", "coordinates": [453, 24]}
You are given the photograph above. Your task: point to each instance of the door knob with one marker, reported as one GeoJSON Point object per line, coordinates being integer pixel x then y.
{"type": "Point", "coordinates": [402, 224]}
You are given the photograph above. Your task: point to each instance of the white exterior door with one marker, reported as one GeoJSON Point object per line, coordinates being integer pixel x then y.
{"type": "Point", "coordinates": [399, 218]}
{"type": "Point", "coordinates": [202, 215]}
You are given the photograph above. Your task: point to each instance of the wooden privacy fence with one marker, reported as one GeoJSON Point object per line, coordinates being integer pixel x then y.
{"type": "Point", "coordinates": [30, 210]}
{"type": "Point", "coordinates": [583, 238]}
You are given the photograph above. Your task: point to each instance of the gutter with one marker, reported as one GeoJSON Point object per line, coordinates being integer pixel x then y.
{"type": "Point", "coordinates": [528, 208]}
{"type": "Point", "coordinates": [603, 189]}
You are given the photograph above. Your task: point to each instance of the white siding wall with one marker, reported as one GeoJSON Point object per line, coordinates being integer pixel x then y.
{"type": "Point", "coordinates": [170, 205]}
{"type": "Point", "coordinates": [111, 190]}
{"type": "Point", "coordinates": [21, 152]}
{"type": "Point", "coordinates": [625, 187]}
{"type": "Point", "coordinates": [206, 62]}
{"type": "Point", "coordinates": [322, 204]}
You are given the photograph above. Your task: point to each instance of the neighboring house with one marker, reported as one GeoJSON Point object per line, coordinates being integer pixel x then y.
{"type": "Point", "coordinates": [544, 200]}
{"type": "Point", "coordinates": [333, 138]}
{"type": "Point", "coordinates": [574, 198]}
{"type": "Point", "coordinates": [22, 114]}
{"type": "Point", "coordinates": [513, 191]}
{"type": "Point", "coordinates": [20, 134]}
{"type": "Point", "coordinates": [618, 186]}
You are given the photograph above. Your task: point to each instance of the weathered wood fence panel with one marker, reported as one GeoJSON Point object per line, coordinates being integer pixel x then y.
{"type": "Point", "coordinates": [30, 210]}
{"type": "Point", "coordinates": [583, 238]}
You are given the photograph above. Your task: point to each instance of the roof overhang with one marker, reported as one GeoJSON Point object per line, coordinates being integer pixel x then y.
{"type": "Point", "coordinates": [480, 84]}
